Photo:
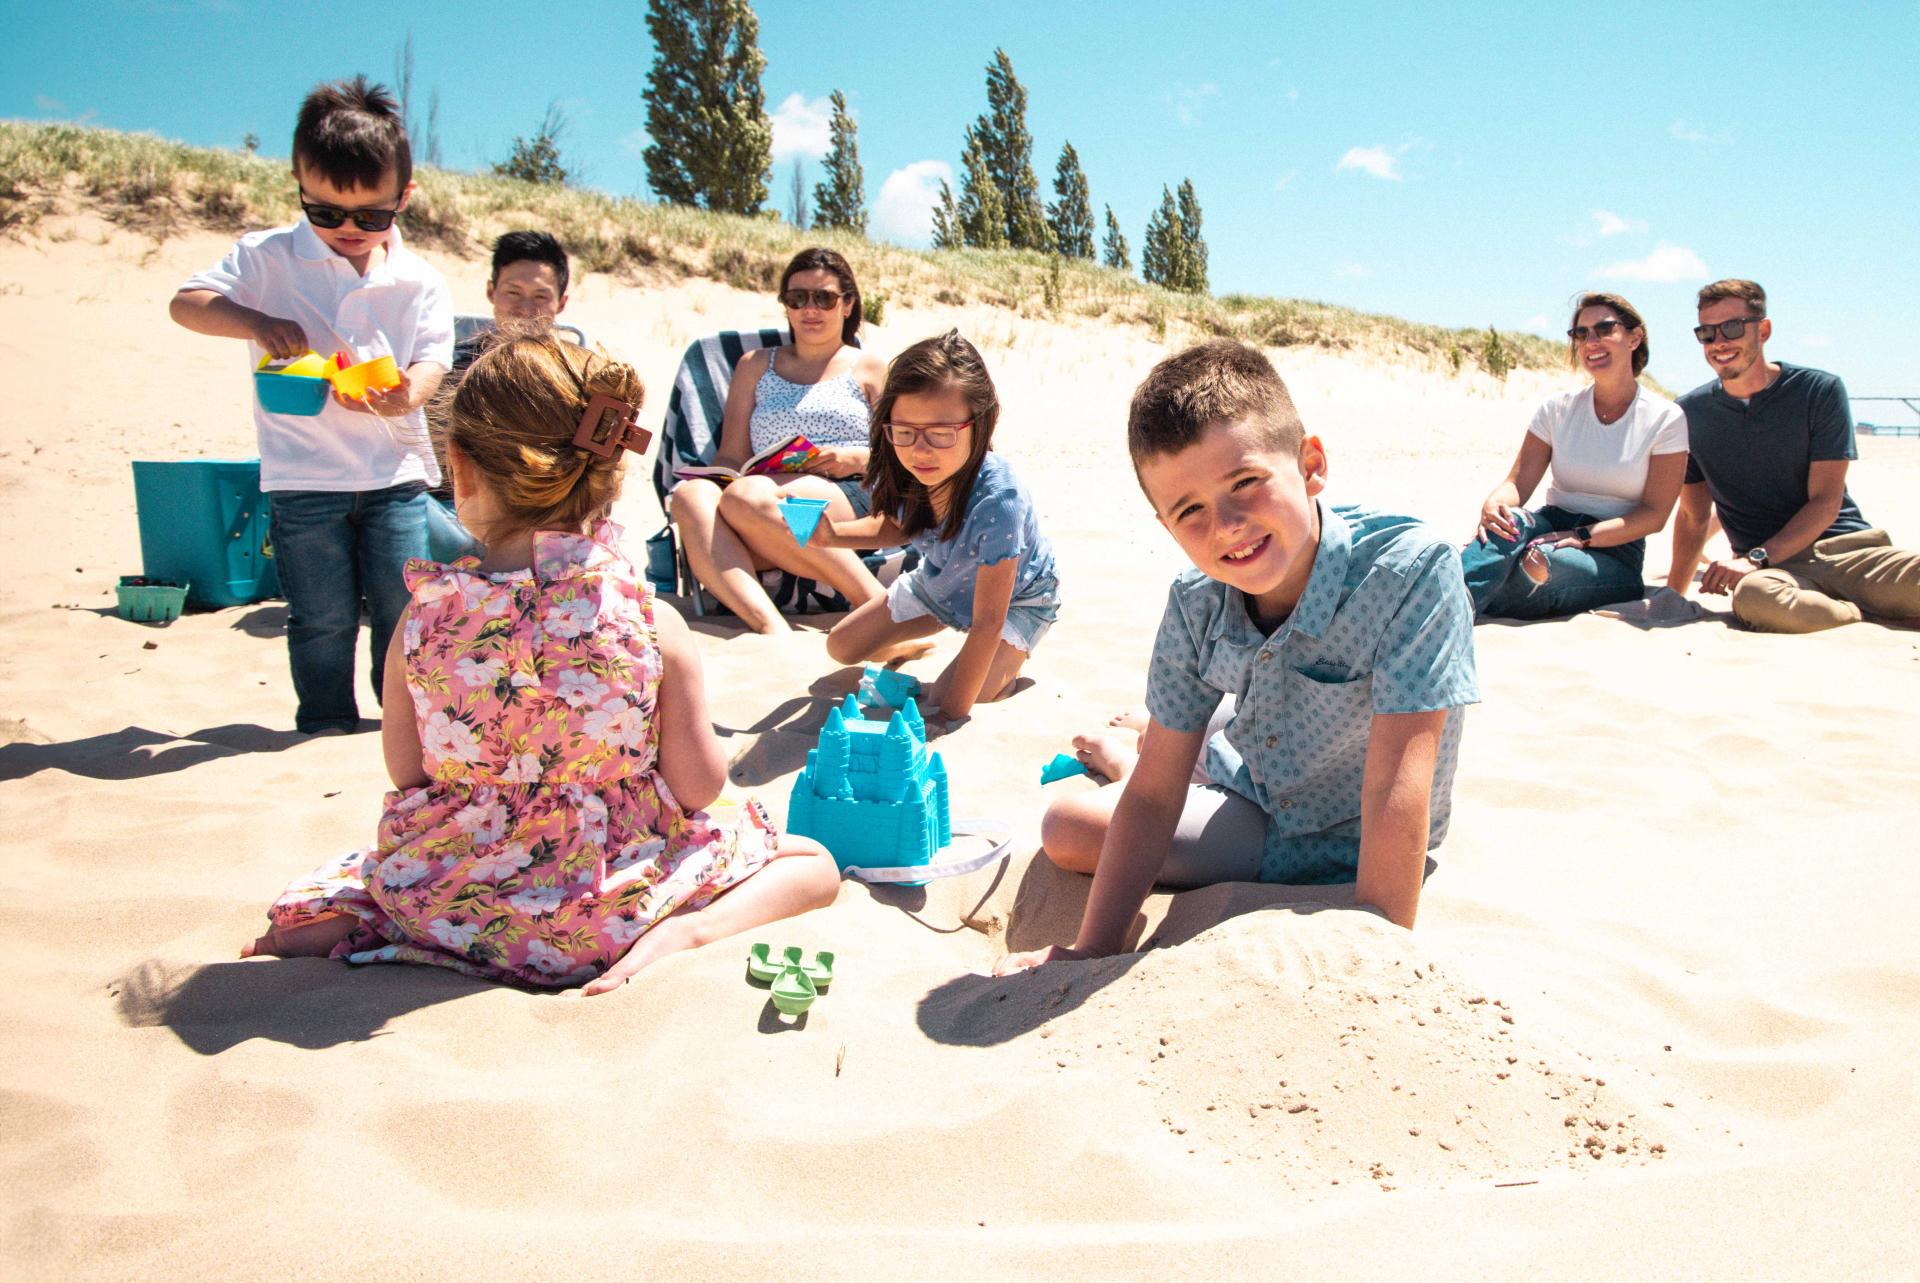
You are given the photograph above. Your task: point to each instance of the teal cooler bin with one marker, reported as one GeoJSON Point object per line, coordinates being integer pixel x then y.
{"type": "Point", "coordinates": [204, 522]}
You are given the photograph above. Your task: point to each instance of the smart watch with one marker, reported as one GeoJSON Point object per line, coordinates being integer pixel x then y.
{"type": "Point", "coordinates": [1758, 556]}
{"type": "Point", "coordinates": [1584, 534]}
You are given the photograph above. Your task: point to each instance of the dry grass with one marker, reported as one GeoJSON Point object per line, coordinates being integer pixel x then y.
{"type": "Point", "coordinates": [157, 187]}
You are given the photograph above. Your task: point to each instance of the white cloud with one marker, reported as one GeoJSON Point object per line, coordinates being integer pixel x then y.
{"type": "Point", "coordinates": [1378, 161]}
{"type": "Point", "coordinates": [1609, 223]}
{"type": "Point", "coordinates": [1667, 263]}
{"type": "Point", "coordinates": [1188, 101]}
{"type": "Point", "coordinates": [903, 213]}
{"type": "Point", "coordinates": [802, 127]}
{"type": "Point", "coordinates": [1540, 323]}
{"type": "Point", "coordinates": [44, 103]}
{"type": "Point", "coordinates": [1687, 133]}
{"type": "Point", "coordinates": [1285, 180]}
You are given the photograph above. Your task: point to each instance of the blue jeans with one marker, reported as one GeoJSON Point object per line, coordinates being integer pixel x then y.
{"type": "Point", "coordinates": [1577, 578]}
{"type": "Point", "coordinates": [335, 549]}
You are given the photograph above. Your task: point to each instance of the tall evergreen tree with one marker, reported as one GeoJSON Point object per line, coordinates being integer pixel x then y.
{"type": "Point", "coordinates": [947, 232]}
{"type": "Point", "coordinates": [1164, 247]}
{"type": "Point", "coordinates": [841, 199]}
{"type": "Point", "coordinates": [1071, 216]}
{"type": "Point", "coordinates": [983, 215]}
{"type": "Point", "coordinates": [1008, 151]}
{"type": "Point", "coordinates": [712, 142]}
{"type": "Point", "coordinates": [1194, 259]}
{"type": "Point", "coordinates": [1114, 251]}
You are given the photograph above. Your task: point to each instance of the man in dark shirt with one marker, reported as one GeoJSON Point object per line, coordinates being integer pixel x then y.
{"type": "Point", "coordinates": [1769, 444]}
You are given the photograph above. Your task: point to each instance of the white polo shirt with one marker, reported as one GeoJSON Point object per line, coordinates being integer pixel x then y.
{"type": "Point", "coordinates": [399, 309]}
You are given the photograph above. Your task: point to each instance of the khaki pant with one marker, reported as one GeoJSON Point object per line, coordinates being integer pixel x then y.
{"type": "Point", "coordinates": [1837, 581]}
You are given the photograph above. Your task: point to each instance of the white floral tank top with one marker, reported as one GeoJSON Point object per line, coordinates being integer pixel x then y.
{"type": "Point", "coordinates": [831, 412]}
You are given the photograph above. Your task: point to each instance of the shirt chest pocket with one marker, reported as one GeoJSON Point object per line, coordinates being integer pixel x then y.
{"type": "Point", "coordinates": [1326, 715]}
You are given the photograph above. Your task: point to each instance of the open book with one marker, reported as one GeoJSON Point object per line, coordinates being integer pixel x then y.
{"type": "Point", "coordinates": [791, 455]}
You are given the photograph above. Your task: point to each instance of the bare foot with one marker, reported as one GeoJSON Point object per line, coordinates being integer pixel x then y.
{"type": "Point", "coordinates": [1108, 754]}
{"type": "Point", "coordinates": [1134, 719]}
{"type": "Point", "coordinates": [307, 940]}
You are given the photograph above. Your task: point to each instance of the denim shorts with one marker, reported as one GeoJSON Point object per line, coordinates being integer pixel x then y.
{"type": "Point", "coordinates": [1028, 618]}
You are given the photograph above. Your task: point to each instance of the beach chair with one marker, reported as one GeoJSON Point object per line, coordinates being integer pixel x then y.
{"type": "Point", "coordinates": [470, 327]}
{"type": "Point", "coordinates": [691, 434]}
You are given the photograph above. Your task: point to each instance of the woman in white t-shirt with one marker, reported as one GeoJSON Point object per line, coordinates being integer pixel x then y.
{"type": "Point", "coordinates": [1617, 455]}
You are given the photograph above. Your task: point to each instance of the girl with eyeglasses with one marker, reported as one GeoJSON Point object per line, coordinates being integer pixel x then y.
{"type": "Point", "coordinates": [985, 568]}
{"type": "Point", "coordinates": [821, 385]}
{"type": "Point", "coordinates": [1617, 455]}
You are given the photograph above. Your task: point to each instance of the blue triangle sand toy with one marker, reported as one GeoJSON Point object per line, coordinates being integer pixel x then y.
{"type": "Point", "coordinates": [794, 982]}
{"type": "Point", "coordinates": [1062, 767]}
{"type": "Point", "coordinates": [887, 687]}
{"type": "Point", "coordinates": [871, 793]}
{"type": "Point", "coordinates": [802, 515]}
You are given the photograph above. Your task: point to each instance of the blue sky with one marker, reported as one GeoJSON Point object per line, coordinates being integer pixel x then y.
{"type": "Point", "coordinates": [1467, 165]}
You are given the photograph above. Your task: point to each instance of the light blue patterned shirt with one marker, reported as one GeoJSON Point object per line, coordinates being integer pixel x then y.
{"type": "Point", "coordinates": [1000, 523]}
{"type": "Point", "coordinates": [1383, 626]}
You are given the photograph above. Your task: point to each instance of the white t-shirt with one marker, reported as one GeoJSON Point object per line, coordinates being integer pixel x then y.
{"type": "Point", "coordinates": [399, 309]}
{"type": "Point", "coordinates": [1600, 469]}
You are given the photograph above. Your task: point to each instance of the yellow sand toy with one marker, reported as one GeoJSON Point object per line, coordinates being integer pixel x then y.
{"type": "Point", "coordinates": [299, 386]}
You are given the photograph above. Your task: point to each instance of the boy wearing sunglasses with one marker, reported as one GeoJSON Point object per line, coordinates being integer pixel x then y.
{"type": "Point", "coordinates": [348, 484]}
{"type": "Point", "coordinates": [1770, 446]}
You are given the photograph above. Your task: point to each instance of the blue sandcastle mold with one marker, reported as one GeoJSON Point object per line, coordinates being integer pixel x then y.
{"type": "Point", "coordinates": [887, 686]}
{"type": "Point", "coordinates": [802, 515]}
{"type": "Point", "coordinates": [871, 793]}
{"type": "Point", "coordinates": [1062, 767]}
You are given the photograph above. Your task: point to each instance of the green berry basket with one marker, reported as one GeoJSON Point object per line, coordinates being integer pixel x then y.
{"type": "Point", "coordinates": [150, 601]}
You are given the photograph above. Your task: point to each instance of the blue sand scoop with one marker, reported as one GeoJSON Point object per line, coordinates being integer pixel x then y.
{"type": "Point", "coordinates": [802, 515]}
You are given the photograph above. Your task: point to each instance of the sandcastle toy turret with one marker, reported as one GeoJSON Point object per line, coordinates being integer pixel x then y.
{"type": "Point", "coordinates": [871, 792]}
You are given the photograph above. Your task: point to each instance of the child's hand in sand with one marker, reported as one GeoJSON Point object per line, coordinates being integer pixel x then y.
{"type": "Point", "coordinates": [1037, 958]}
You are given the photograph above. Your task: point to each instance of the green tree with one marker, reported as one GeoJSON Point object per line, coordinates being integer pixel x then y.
{"type": "Point", "coordinates": [841, 199]}
{"type": "Point", "coordinates": [1115, 252]}
{"type": "Point", "coordinates": [982, 215]}
{"type": "Point", "coordinates": [1498, 360]}
{"type": "Point", "coordinates": [1071, 215]}
{"type": "Point", "coordinates": [537, 160]}
{"type": "Point", "coordinates": [947, 232]}
{"type": "Point", "coordinates": [1194, 261]}
{"type": "Point", "coordinates": [1008, 151]}
{"type": "Point", "coordinates": [712, 143]}
{"type": "Point", "coordinates": [1163, 254]}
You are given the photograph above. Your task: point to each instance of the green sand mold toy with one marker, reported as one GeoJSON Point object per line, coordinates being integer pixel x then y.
{"type": "Point", "coordinates": [795, 983]}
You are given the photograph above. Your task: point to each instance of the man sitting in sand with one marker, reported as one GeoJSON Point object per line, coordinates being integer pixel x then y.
{"type": "Point", "coordinates": [1770, 446]}
{"type": "Point", "coordinates": [1344, 636]}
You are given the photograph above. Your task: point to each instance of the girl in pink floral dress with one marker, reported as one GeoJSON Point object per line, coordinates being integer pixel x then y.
{"type": "Point", "coordinates": [551, 770]}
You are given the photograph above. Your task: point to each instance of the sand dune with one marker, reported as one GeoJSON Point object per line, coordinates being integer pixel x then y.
{"type": "Point", "coordinates": [1659, 1019]}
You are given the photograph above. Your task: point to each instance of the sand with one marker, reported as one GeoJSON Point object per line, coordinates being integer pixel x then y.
{"type": "Point", "coordinates": [1659, 1017]}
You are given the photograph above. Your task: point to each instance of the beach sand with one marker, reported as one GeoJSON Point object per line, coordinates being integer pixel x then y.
{"type": "Point", "coordinates": [1659, 1019]}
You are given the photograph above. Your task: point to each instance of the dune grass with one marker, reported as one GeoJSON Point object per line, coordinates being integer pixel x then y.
{"type": "Point", "coordinates": [158, 187]}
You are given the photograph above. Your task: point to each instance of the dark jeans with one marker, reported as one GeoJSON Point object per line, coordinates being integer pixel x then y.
{"type": "Point", "coordinates": [335, 550]}
{"type": "Point", "coordinates": [1577, 578]}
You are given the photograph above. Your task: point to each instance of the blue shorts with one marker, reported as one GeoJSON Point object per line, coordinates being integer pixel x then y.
{"type": "Point", "coordinates": [1028, 618]}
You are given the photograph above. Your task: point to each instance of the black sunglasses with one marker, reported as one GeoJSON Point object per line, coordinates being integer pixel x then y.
{"type": "Point", "coordinates": [825, 300]}
{"type": "Point", "coordinates": [1600, 330]}
{"type": "Point", "coordinates": [1727, 329]}
{"type": "Point", "coordinates": [331, 216]}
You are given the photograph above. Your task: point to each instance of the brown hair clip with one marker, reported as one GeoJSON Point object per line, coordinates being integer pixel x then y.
{"type": "Point", "coordinates": [607, 427]}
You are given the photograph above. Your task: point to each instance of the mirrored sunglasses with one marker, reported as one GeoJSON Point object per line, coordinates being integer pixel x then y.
{"type": "Point", "coordinates": [825, 300]}
{"type": "Point", "coordinates": [1727, 329]}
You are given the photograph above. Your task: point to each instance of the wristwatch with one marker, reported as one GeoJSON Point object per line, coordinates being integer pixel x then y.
{"type": "Point", "coordinates": [1758, 556]}
{"type": "Point", "coordinates": [1584, 534]}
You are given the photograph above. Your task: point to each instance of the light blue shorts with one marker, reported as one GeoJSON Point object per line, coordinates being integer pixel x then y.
{"type": "Point", "coordinates": [1028, 619]}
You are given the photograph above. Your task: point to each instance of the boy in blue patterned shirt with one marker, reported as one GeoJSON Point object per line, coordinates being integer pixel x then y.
{"type": "Point", "coordinates": [1343, 636]}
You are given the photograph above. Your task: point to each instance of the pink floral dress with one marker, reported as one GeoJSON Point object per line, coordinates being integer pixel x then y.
{"type": "Point", "coordinates": [545, 842]}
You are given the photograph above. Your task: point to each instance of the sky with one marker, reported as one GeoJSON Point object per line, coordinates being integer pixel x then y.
{"type": "Point", "coordinates": [1457, 164]}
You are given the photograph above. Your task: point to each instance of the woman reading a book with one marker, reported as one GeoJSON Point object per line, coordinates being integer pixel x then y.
{"type": "Point", "coordinates": [818, 388]}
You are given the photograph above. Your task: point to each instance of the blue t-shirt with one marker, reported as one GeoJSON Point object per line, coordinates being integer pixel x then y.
{"type": "Point", "coordinates": [1384, 625]}
{"type": "Point", "coordinates": [1754, 455]}
{"type": "Point", "coordinates": [1000, 523]}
